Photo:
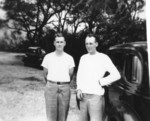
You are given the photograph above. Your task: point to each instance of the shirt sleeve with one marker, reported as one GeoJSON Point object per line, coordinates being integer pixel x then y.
{"type": "Point", "coordinates": [45, 62]}
{"type": "Point", "coordinates": [114, 74]}
{"type": "Point", "coordinates": [72, 64]}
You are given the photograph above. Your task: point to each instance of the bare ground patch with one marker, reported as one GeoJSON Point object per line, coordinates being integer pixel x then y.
{"type": "Point", "coordinates": [22, 92]}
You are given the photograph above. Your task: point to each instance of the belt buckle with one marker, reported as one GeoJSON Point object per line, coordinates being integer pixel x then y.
{"type": "Point", "coordinates": [58, 82]}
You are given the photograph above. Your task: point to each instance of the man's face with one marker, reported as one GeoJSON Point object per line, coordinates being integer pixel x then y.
{"type": "Point", "coordinates": [59, 43]}
{"type": "Point", "coordinates": [91, 44]}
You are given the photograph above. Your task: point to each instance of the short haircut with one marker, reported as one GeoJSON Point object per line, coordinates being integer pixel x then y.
{"type": "Point", "coordinates": [59, 35]}
{"type": "Point", "coordinates": [92, 35]}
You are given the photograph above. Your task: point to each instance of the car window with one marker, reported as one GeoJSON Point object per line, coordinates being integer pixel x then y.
{"type": "Point", "coordinates": [129, 66]}
{"type": "Point", "coordinates": [133, 69]}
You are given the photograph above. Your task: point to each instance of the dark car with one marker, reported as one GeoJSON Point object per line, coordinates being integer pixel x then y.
{"type": "Point", "coordinates": [129, 98]}
{"type": "Point", "coordinates": [34, 56]}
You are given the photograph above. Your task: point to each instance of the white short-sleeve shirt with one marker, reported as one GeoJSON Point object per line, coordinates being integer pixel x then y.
{"type": "Point", "coordinates": [58, 66]}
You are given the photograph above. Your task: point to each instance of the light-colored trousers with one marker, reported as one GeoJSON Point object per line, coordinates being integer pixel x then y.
{"type": "Point", "coordinates": [57, 99]}
{"type": "Point", "coordinates": [92, 108]}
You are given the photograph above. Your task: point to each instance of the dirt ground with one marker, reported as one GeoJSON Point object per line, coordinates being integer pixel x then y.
{"type": "Point", "coordinates": [21, 91]}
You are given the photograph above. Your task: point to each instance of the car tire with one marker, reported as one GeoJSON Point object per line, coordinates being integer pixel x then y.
{"type": "Point", "coordinates": [26, 64]}
{"type": "Point", "coordinates": [122, 113]}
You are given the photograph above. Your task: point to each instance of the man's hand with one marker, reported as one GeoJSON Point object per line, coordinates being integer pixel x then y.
{"type": "Point", "coordinates": [79, 94]}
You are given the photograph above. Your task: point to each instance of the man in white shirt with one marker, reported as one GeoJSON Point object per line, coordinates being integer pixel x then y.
{"type": "Point", "coordinates": [58, 70]}
{"type": "Point", "coordinates": [90, 81]}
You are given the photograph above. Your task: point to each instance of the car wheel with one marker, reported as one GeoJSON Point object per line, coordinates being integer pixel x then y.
{"type": "Point", "coordinates": [114, 116]}
{"type": "Point", "coordinates": [26, 64]}
{"type": "Point", "coordinates": [122, 114]}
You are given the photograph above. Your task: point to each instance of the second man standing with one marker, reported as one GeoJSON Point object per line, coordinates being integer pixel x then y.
{"type": "Point", "coordinates": [58, 70]}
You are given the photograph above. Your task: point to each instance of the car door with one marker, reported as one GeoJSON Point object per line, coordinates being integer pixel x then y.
{"type": "Point", "coordinates": [132, 86]}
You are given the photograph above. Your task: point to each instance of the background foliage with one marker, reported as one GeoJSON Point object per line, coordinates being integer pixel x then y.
{"type": "Point", "coordinates": [113, 21]}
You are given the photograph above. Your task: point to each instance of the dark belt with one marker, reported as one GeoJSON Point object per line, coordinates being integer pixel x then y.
{"type": "Point", "coordinates": [58, 82]}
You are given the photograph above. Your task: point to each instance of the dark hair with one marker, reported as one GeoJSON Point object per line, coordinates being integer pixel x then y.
{"type": "Point", "coordinates": [59, 35]}
{"type": "Point", "coordinates": [92, 35]}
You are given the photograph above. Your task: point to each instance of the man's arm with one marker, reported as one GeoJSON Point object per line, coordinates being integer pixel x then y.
{"type": "Point", "coordinates": [71, 71]}
{"type": "Point", "coordinates": [45, 72]}
{"type": "Point", "coordinates": [79, 80]}
{"type": "Point", "coordinates": [113, 76]}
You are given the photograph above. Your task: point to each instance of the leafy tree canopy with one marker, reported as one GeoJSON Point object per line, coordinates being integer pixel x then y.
{"type": "Point", "coordinates": [112, 20]}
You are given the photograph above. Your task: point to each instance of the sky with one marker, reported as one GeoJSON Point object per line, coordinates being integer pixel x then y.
{"type": "Point", "coordinates": [148, 29]}
{"type": "Point", "coordinates": [2, 14]}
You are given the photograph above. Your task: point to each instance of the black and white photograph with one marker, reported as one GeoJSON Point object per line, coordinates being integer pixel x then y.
{"type": "Point", "coordinates": [74, 60]}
